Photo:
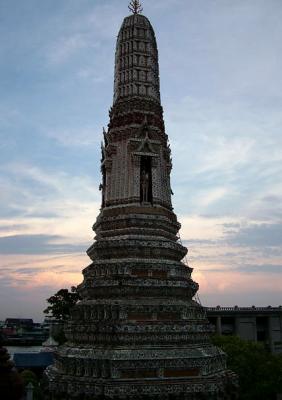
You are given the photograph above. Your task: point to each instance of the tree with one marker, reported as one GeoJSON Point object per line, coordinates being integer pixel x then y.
{"type": "Point", "coordinates": [30, 377]}
{"type": "Point", "coordinates": [61, 303]}
{"type": "Point", "coordinates": [260, 372]}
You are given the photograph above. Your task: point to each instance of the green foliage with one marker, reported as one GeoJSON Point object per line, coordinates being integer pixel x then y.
{"type": "Point", "coordinates": [29, 376]}
{"type": "Point", "coordinates": [61, 303]}
{"type": "Point", "coordinates": [260, 372]}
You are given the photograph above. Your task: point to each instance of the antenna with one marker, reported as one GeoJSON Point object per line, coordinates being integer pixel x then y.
{"type": "Point", "coordinates": [135, 7]}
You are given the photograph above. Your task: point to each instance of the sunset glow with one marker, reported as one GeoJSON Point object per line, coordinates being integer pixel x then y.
{"type": "Point", "coordinates": [222, 108]}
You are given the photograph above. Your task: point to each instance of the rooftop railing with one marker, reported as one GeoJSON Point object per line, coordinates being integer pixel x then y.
{"type": "Point", "coordinates": [236, 308]}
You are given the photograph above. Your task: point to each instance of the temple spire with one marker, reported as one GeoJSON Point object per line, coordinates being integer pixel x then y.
{"type": "Point", "coordinates": [136, 60]}
{"type": "Point", "coordinates": [137, 331]}
{"type": "Point", "coordinates": [135, 6]}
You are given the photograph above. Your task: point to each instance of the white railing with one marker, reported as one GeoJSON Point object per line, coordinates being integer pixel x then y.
{"type": "Point", "coordinates": [236, 308]}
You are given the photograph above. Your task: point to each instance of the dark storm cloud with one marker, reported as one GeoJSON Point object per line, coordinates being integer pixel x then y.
{"type": "Point", "coordinates": [36, 244]}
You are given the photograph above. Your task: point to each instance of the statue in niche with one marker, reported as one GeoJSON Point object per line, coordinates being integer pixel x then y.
{"type": "Point", "coordinates": [146, 195]}
{"type": "Point", "coordinates": [102, 186]}
{"type": "Point", "coordinates": [145, 180]}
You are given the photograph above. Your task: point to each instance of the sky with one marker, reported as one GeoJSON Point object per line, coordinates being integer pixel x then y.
{"type": "Point", "coordinates": [220, 73]}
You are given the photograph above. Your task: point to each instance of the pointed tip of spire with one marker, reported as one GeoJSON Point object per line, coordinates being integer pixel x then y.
{"type": "Point", "coordinates": [135, 7]}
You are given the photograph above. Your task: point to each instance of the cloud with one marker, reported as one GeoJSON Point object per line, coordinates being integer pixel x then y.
{"type": "Point", "coordinates": [265, 268]}
{"type": "Point", "coordinates": [223, 136]}
{"type": "Point", "coordinates": [84, 137]}
{"type": "Point", "coordinates": [36, 244]}
{"type": "Point", "coordinates": [211, 196]}
{"type": "Point", "coordinates": [202, 228]}
{"type": "Point", "coordinates": [267, 207]}
{"type": "Point", "coordinates": [27, 297]}
{"type": "Point", "coordinates": [12, 227]}
{"type": "Point", "coordinates": [234, 54]}
{"type": "Point", "coordinates": [225, 156]}
{"type": "Point", "coordinates": [66, 47]}
{"type": "Point", "coordinates": [68, 199]}
{"type": "Point", "coordinates": [256, 235]}
{"type": "Point", "coordinates": [39, 276]}
{"type": "Point", "coordinates": [222, 108]}
{"type": "Point", "coordinates": [248, 269]}
{"type": "Point", "coordinates": [244, 298]}
{"type": "Point", "coordinates": [205, 242]}
{"type": "Point", "coordinates": [103, 21]}
{"type": "Point", "coordinates": [239, 288]}
{"type": "Point", "coordinates": [59, 181]}
{"type": "Point", "coordinates": [89, 30]}
{"type": "Point", "coordinates": [272, 199]}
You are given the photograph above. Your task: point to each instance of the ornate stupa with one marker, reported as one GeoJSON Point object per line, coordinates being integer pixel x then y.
{"type": "Point", "coordinates": [138, 333]}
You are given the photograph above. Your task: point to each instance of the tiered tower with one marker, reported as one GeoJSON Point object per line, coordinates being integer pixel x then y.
{"type": "Point", "coordinates": [138, 333]}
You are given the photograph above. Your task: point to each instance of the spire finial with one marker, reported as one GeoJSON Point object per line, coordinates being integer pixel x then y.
{"type": "Point", "coordinates": [135, 6]}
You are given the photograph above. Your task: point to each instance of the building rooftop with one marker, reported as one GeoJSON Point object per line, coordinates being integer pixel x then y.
{"type": "Point", "coordinates": [33, 360]}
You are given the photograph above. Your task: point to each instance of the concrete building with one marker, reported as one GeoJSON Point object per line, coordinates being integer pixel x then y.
{"type": "Point", "coordinates": [261, 324]}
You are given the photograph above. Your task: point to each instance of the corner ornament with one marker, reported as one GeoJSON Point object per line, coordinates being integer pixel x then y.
{"type": "Point", "coordinates": [135, 7]}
